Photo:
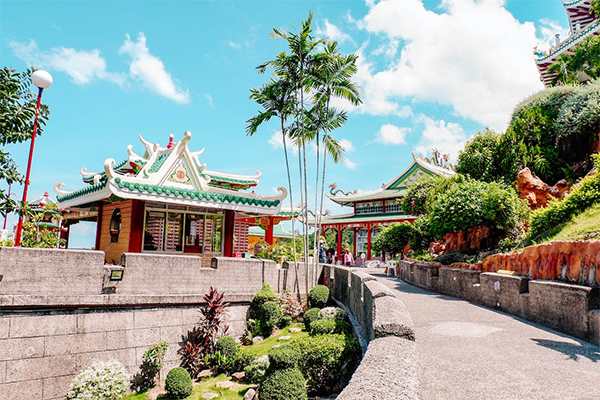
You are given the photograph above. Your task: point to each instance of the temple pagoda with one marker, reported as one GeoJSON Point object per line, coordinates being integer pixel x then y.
{"type": "Point", "coordinates": [583, 24]}
{"type": "Point", "coordinates": [379, 208]}
{"type": "Point", "coordinates": [166, 202]}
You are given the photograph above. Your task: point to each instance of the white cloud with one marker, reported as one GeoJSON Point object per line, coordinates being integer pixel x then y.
{"type": "Point", "coordinates": [332, 32]}
{"type": "Point", "coordinates": [150, 70]}
{"type": "Point", "coordinates": [209, 100]}
{"type": "Point", "coordinates": [446, 137]}
{"type": "Point", "coordinates": [351, 165]}
{"type": "Point", "coordinates": [391, 134]}
{"type": "Point", "coordinates": [82, 66]}
{"type": "Point", "coordinates": [546, 34]}
{"type": "Point", "coordinates": [233, 44]}
{"type": "Point", "coordinates": [347, 145]}
{"type": "Point", "coordinates": [276, 142]}
{"type": "Point", "coordinates": [473, 56]}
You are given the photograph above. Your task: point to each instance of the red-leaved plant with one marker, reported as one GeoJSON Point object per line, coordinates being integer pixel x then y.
{"type": "Point", "coordinates": [201, 340]}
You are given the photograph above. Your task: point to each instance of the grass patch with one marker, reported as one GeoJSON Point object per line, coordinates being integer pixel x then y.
{"type": "Point", "coordinates": [585, 226]}
{"type": "Point", "coordinates": [137, 396]}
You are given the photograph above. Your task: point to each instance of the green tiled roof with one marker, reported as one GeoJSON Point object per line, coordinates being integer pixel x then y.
{"type": "Point", "coordinates": [117, 167]}
{"type": "Point", "coordinates": [160, 160]}
{"type": "Point", "coordinates": [195, 194]}
{"type": "Point", "coordinates": [82, 192]}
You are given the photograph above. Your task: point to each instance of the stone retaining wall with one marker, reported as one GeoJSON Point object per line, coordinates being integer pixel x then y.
{"type": "Point", "coordinates": [566, 307]}
{"type": "Point", "coordinates": [59, 311]}
{"type": "Point", "coordinates": [389, 369]}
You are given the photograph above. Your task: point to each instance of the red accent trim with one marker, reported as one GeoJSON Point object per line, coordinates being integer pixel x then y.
{"type": "Point", "coordinates": [354, 242]}
{"type": "Point", "coordinates": [99, 226]}
{"type": "Point", "coordinates": [368, 242]}
{"type": "Point", "coordinates": [339, 242]}
{"type": "Point", "coordinates": [269, 234]}
{"type": "Point", "coordinates": [229, 231]}
{"type": "Point", "coordinates": [20, 226]}
{"type": "Point", "coordinates": [136, 234]}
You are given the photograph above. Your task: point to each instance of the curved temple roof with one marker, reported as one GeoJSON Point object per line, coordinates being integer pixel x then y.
{"type": "Point", "coordinates": [170, 175]}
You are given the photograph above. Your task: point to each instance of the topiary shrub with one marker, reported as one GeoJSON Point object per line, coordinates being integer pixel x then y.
{"type": "Point", "coordinates": [284, 321]}
{"type": "Point", "coordinates": [283, 357]}
{"type": "Point", "coordinates": [178, 383]}
{"type": "Point", "coordinates": [318, 296]}
{"type": "Point", "coordinates": [286, 384]}
{"type": "Point", "coordinates": [101, 381]}
{"type": "Point", "coordinates": [227, 346]}
{"type": "Point", "coordinates": [256, 370]}
{"type": "Point", "coordinates": [322, 327]}
{"type": "Point", "coordinates": [269, 317]}
{"type": "Point", "coordinates": [311, 315]}
{"type": "Point", "coordinates": [261, 297]}
{"type": "Point", "coordinates": [327, 361]}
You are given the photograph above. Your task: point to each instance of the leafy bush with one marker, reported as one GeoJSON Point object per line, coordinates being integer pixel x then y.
{"type": "Point", "coordinates": [480, 158]}
{"type": "Point", "coordinates": [261, 297]}
{"type": "Point", "coordinates": [333, 312]}
{"type": "Point", "coordinates": [583, 196]}
{"type": "Point", "coordinates": [415, 202]}
{"type": "Point", "coordinates": [201, 339]}
{"type": "Point", "coordinates": [227, 346]}
{"type": "Point", "coordinates": [283, 357]}
{"type": "Point", "coordinates": [152, 363]}
{"type": "Point", "coordinates": [327, 361]}
{"type": "Point", "coordinates": [311, 315]}
{"type": "Point", "coordinates": [290, 306]}
{"type": "Point", "coordinates": [421, 234]}
{"type": "Point", "coordinates": [256, 370]}
{"type": "Point", "coordinates": [178, 383]}
{"type": "Point", "coordinates": [328, 326]}
{"type": "Point", "coordinates": [284, 322]}
{"type": "Point", "coordinates": [318, 296]}
{"type": "Point", "coordinates": [101, 381]}
{"type": "Point", "coordinates": [269, 317]}
{"type": "Point", "coordinates": [393, 239]}
{"type": "Point", "coordinates": [286, 384]}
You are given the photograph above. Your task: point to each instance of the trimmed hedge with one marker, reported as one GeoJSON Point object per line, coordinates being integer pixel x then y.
{"type": "Point", "coordinates": [285, 384]}
{"type": "Point", "coordinates": [283, 357]}
{"type": "Point", "coordinates": [318, 296]}
{"type": "Point", "coordinates": [261, 297]}
{"type": "Point", "coordinates": [178, 383]}
{"type": "Point", "coordinates": [326, 326]}
{"type": "Point", "coordinates": [311, 315]}
{"type": "Point", "coordinates": [270, 313]}
{"type": "Point", "coordinates": [227, 346]}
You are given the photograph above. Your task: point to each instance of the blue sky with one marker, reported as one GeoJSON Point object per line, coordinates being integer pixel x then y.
{"type": "Point", "coordinates": [432, 73]}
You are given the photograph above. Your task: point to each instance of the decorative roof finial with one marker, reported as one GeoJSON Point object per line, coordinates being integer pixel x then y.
{"type": "Point", "coordinates": [46, 194]}
{"type": "Point", "coordinates": [171, 136]}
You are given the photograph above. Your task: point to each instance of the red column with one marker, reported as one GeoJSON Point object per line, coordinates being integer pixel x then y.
{"type": "Point", "coordinates": [339, 243]}
{"type": "Point", "coordinates": [136, 234]}
{"type": "Point", "coordinates": [368, 242]}
{"type": "Point", "coordinates": [229, 230]}
{"type": "Point", "coordinates": [98, 226]}
{"type": "Point", "coordinates": [354, 242]}
{"type": "Point", "coordinates": [269, 233]}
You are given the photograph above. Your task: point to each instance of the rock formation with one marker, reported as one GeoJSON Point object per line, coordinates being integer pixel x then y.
{"type": "Point", "coordinates": [538, 193]}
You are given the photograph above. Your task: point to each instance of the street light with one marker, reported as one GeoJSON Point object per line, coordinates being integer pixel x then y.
{"type": "Point", "coordinates": [43, 80]}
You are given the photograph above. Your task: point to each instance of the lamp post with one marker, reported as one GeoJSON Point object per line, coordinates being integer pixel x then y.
{"type": "Point", "coordinates": [43, 80]}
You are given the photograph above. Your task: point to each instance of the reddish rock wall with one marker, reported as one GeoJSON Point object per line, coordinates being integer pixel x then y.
{"type": "Point", "coordinates": [577, 262]}
{"type": "Point", "coordinates": [536, 192]}
{"type": "Point", "coordinates": [478, 237]}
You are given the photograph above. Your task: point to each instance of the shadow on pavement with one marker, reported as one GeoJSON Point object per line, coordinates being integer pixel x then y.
{"type": "Point", "coordinates": [573, 351]}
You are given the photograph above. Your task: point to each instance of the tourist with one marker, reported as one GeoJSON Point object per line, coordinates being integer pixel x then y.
{"type": "Point", "coordinates": [348, 259]}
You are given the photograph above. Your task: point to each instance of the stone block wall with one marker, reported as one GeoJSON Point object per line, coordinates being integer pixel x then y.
{"type": "Point", "coordinates": [566, 307]}
{"type": "Point", "coordinates": [387, 328]}
{"type": "Point", "coordinates": [59, 311]}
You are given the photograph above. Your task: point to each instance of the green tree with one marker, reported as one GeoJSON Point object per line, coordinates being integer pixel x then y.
{"type": "Point", "coordinates": [17, 113]}
{"type": "Point", "coordinates": [481, 157]}
{"type": "Point", "coordinates": [393, 239]}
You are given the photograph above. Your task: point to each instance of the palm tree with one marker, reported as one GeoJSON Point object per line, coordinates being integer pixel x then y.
{"type": "Point", "coordinates": [276, 98]}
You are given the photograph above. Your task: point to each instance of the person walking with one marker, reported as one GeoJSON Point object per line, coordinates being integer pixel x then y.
{"type": "Point", "coordinates": [348, 259]}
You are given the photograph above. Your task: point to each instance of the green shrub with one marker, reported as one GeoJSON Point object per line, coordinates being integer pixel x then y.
{"type": "Point", "coordinates": [283, 357]}
{"type": "Point", "coordinates": [152, 363]}
{"type": "Point", "coordinates": [393, 239]}
{"type": "Point", "coordinates": [269, 317]}
{"type": "Point", "coordinates": [318, 296]}
{"type": "Point", "coordinates": [480, 158]}
{"type": "Point", "coordinates": [284, 321]}
{"type": "Point", "coordinates": [262, 296]}
{"type": "Point", "coordinates": [252, 326]}
{"type": "Point", "coordinates": [227, 346]}
{"type": "Point", "coordinates": [328, 326]}
{"type": "Point", "coordinates": [311, 315]}
{"type": "Point", "coordinates": [178, 383]}
{"type": "Point", "coordinates": [286, 384]}
{"type": "Point", "coordinates": [256, 370]}
{"type": "Point", "coordinates": [327, 361]}
{"type": "Point", "coordinates": [416, 202]}
{"type": "Point", "coordinates": [101, 381]}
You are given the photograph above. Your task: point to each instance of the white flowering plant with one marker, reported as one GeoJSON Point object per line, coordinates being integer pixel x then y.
{"type": "Point", "coordinates": [333, 313]}
{"type": "Point", "coordinates": [101, 381]}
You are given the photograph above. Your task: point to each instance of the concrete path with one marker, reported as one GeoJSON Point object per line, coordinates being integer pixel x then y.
{"type": "Point", "coordinates": [472, 352]}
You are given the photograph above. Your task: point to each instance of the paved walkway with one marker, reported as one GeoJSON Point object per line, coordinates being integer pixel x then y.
{"type": "Point", "coordinates": [472, 352]}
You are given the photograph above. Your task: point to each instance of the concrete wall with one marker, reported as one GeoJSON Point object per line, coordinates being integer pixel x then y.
{"type": "Point", "coordinates": [387, 330]}
{"type": "Point", "coordinates": [566, 307]}
{"type": "Point", "coordinates": [59, 311]}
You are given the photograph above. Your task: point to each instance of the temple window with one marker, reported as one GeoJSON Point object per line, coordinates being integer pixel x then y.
{"type": "Point", "coordinates": [182, 229]}
{"type": "Point", "coordinates": [392, 206]}
{"type": "Point", "coordinates": [361, 241]}
{"type": "Point", "coordinates": [374, 207]}
{"type": "Point", "coordinates": [115, 225]}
